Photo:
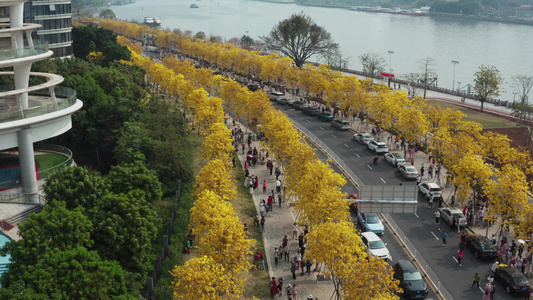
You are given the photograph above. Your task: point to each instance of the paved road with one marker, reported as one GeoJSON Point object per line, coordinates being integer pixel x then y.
{"type": "Point", "coordinates": [420, 227]}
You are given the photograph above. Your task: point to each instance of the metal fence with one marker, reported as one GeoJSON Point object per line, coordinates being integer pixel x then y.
{"type": "Point", "coordinates": [418, 257]}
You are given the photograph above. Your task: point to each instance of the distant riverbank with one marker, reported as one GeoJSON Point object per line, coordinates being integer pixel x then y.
{"type": "Point", "coordinates": [431, 14]}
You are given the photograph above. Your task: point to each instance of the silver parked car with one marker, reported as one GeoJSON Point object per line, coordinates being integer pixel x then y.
{"type": "Point", "coordinates": [341, 124]}
{"type": "Point", "coordinates": [408, 172]}
{"type": "Point", "coordinates": [448, 214]}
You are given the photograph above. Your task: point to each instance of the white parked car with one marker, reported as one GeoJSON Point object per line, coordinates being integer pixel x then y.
{"type": "Point", "coordinates": [375, 246]}
{"type": "Point", "coordinates": [395, 158]}
{"type": "Point", "coordinates": [363, 138]}
{"type": "Point", "coordinates": [377, 147]}
{"type": "Point", "coordinates": [430, 189]}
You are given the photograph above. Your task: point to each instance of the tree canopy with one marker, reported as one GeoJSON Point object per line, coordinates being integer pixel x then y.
{"type": "Point", "coordinates": [487, 81]}
{"type": "Point", "coordinates": [299, 37]}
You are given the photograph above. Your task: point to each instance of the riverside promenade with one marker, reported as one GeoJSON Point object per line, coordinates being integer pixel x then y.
{"type": "Point", "coordinates": [279, 223]}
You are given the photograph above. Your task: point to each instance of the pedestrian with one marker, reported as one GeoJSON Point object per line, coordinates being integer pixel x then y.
{"type": "Point", "coordinates": [477, 278]}
{"type": "Point", "coordinates": [287, 253]}
{"type": "Point", "coordinates": [289, 291]}
{"type": "Point", "coordinates": [263, 224]}
{"type": "Point", "coordinates": [422, 169]}
{"type": "Point", "coordinates": [430, 203]}
{"type": "Point", "coordinates": [256, 259]}
{"type": "Point", "coordinates": [527, 295]}
{"type": "Point", "coordinates": [274, 290]}
{"type": "Point", "coordinates": [278, 186]}
{"type": "Point", "coordinates": [294, 231]}
{"type": "Point", "coordinates": [294, 292]}
{"type": "Point", "coordinates": [486, 292]}
{"type": "Point", "coordinates": [298, 260]}
{"type": "Point", "coordinates": [301, 240]}
{"type": "Point", "coordinates": [462, 245]}
{"type": "Point", "coordinates": [494, 267]}
{"type": "Point", "coordinates": [281, 252]}
{"type": "Point", "coordinates": [492, 290]}
{"type": "Point", "coordinates": [276, 256]}
{"type": "Point", "coordinates": [262, 209]}
{"type": "Point", "coordinates": [277, 173]}
{"type": "Point", "coordinates": [280, 286]}
{"type": "Point", "coordinates": [280, 199]}
{"type": "Point", "coordinates": [418, 180]}
{"type": "Point", "coordinates": [264, 186]}
{"type": "Point", "coordinates": [293, 270]}
{"type": "Point", "coordinates": [261, 261]}
{"type": "Point", "coordinates": [430, 171]}
{"type": "Point", "coordinates": [243, 148]}
{"type": "Point", "coordinates": [256, 220]}
{"type": "Point", "coordinates": [285, 241]}
{"type": "Point", "coordinates": [459, 257]}
{"type": "Point", "coordinates": [308, 265]}
{"type": "Point", "coordinates": [444, 237]}
{"type": "Point", "coordinates": [269, 202]}
{"type": "Point", "coordinates": [233, 160]}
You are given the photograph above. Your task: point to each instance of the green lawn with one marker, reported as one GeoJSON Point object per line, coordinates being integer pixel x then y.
{"type": "Point", "coordinates": [488, 121]}
{"type": "Point", "coordinates": [47, 161]}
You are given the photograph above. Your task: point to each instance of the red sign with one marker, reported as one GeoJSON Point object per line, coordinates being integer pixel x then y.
{"type": "Point", "coordinates": [386, 74]}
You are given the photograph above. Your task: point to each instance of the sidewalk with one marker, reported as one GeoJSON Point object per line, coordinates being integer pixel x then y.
{"type": "Point", "coordinates": [277, 225]}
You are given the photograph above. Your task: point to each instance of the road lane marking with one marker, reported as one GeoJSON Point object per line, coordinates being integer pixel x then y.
{"type": "Point", "coordinates": [481, 289]}
{"type": "Point", "coordinates": [321, 128]}
{"type": "Point", "coordinates": [416, 215]}
{"type": "Point", "coordinates": [434, 235]}
{"type": "Point", "coordinates": [369, 167]}
{"type": "Point", "coordinates": [346, 146]}
{"type": "Point", "coordinates": [382, 180]}
{"type": "Point", "coordinates": [308, 121]}
{"type": "Point", "coordinates": [455, 259]}
{"type": "Point", "coordinates": [333, 136]}
{"type": "Point", "coordinates": [357, 155]}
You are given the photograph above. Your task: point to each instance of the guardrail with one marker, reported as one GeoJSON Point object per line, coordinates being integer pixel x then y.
{"type": "Point", "coordinates": [66, 97]}
{"type": "Point", "coordinates": [330, 152]}
{"type": "Point", "coordinates": [418, 257]}
{"type": "Point", "coordinates": [43, 174]}
{"type": "Point", "coordinates": [22, 198]}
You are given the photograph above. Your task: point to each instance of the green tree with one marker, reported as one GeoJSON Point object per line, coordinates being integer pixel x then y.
{"type": "Point", "coordinates": [130, 176]}
{"type": "Point", "coordinates": [77, 274]}
{"type": "Point", "coordinates": [373, 64]}
{"type": "Point", "coordinates": [299, 37]}
{"type": "Point", "coordinates": [124, 228]}
{"type": "Point", "coordinates": [75, 186]}
{"type": "Point", "coordinates": [56, 228]}
{"type": "Point", "coordinates": [487, 81]}
{"type": "Point", "coordinates": [107, 14]}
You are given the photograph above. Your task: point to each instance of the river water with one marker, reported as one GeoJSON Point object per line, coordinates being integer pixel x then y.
{"type": "Point", "coordinates": [508, 47]}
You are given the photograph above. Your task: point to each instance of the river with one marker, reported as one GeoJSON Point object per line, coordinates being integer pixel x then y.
{"type": "Point", "coordinates": [412, 39]}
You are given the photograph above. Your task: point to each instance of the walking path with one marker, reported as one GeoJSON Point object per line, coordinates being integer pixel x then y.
{"type": "Point", "coordinates": [280, 224]}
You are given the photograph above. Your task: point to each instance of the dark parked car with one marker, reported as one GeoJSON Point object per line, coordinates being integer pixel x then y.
{"type": "Point", "coordinates": [296, 103]}
{"type": "Point", "coordinates": [411, 280]}
{"type": "Point", "coordinates": [312, 111]}
{"type": "Point", "coordinates": [512, 280]}
{"type": "Point", "coordinates": [253, 87]}
{"type": "Point", "coordinates": [326, 116]}
{"type": "Point", "coordinates": [481, 247]}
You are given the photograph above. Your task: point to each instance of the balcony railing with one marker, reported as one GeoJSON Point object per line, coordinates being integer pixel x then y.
{"type": "Point", "coordinates": [39, 47]}
{"type": "Point", "coordinates": [66, 97]}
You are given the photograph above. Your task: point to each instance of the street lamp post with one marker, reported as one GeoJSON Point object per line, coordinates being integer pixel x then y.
{"type": "Point", "coordinates": [514, 96]}
{"type": "Point", "coordinates": [458, 86]}
{"type": "Point", "coordinates": [390, 62]}
{"type": "Point", "coordinates": [454, 62]}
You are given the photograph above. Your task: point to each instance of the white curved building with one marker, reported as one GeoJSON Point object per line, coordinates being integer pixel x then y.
{"type": "Point", "coordinates": [33, 113]}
